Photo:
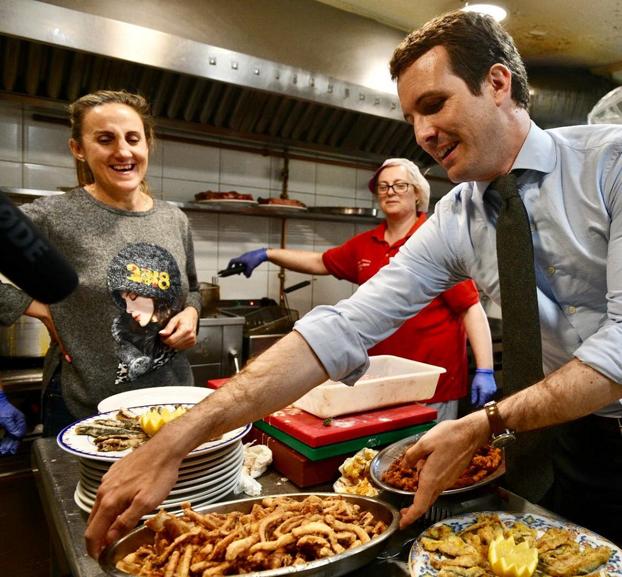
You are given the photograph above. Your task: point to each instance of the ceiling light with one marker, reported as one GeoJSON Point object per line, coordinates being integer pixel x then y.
{"type": "Point", "coordinates": [493, 10]}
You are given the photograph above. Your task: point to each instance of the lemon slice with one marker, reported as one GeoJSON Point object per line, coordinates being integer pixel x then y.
{"type": "Point", "coordinates": [507, 559]}
{"type": "Point", "coordinates": [154, 419]}
{"type": "Point", "coordinates": [151, 421]}
{"type": "Point", "coordinates": [178, 412]}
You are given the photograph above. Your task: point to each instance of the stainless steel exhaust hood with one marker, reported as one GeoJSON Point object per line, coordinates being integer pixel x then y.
{"type": "Point", "coordinates": [56, 54]}
{"type": "Point", "coordinates": [51, 52]}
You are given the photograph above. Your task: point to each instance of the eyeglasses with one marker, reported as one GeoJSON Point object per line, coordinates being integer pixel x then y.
{"type": "Point", "coordinates": [382, 189]}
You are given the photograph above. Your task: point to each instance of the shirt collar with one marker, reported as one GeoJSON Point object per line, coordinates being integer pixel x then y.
{"type": "Point", "coordinates": [537, 153]}
{"type": "Point", "coordinates": [378, 232]}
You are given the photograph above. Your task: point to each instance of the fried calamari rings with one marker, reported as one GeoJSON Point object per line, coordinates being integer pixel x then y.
{"type": "Point", "coordinates": [279, 532]}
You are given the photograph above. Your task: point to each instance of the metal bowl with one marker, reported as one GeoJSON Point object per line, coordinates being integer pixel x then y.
{"type": "Point", "coordinates": [382, 461]}
{"type": "Point", "coordinates": [334, 566]}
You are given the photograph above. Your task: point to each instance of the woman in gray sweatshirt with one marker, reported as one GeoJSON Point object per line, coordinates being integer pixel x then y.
{"type": "Point", "coordinates": [137, 303]}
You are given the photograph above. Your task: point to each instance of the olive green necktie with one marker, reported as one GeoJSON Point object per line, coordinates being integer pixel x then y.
{"type": "Point", "coordinates": [529, 471]}
{"type": "Point", "coordinates": [522, 345]}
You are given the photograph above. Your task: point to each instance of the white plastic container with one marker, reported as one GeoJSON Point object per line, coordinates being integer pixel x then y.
{"type": "Point", "coordinates": [389, 380]}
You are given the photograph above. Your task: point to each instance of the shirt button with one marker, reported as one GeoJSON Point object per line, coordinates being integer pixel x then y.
{"type": "Point", "coordinates": [571, 310]}
{"type": "Point", "coordinates": [551, 270]}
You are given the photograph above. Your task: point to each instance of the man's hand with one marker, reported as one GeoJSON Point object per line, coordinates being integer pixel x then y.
{"type": "Point", "coordinates": [180, 333]}
{"type": "Point", "coordinates": [133, 486]}
{"type": "Point", "coordinates": [13, 422]}
{"type": "Point", "coordinates": [483, 387]}
{"type": "Point", "coordinates": [446, 451]}
{"type": "Point", "coordinates": [250, 260]}
{"type": "Point", "coordinates": [138, 483]}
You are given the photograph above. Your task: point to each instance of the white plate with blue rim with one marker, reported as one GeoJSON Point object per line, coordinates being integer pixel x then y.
{"type": "Point", "coordinates": [187, 465]}
{"type": "Point", "coordinates": [86, 504]}
{"type": "Point", "coordinates": [187, 475]}
{"type": "Point", "coordinates": [210, 473]}
{"type": "Point", "coordinates": [420, 560]}
{"type": "Point", "coordinates": [84, 445]}
{"type": "Point", "coordinates": [154, 396]}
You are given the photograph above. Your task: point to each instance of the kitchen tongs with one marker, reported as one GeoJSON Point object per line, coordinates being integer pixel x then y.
{"type": "Point", "coordinates": [230, 271]}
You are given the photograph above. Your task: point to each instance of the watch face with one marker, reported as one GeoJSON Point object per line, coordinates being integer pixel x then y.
{"type": "Point", "coordinates": [503, 440]}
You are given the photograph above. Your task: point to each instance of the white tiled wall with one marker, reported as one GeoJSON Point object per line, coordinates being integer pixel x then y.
{"type": "Point", "coordinates": [11, 149]}
{"type": "Point", "coordinates": [34, 154]}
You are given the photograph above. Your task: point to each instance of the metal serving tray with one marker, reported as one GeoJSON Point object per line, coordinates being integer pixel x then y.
{"type": "Point", "coordinates": [329, 566]}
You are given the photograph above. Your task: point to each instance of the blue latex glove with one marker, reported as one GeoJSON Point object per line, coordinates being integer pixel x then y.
{"type": "Point", "coordinates": [13, 422]}
{"type": "Point", "coordinates": [483, 387]}
{"type": "Point", "coordinates": [250, 260]}
{"type": "Point", "coordinates": [8, 445]}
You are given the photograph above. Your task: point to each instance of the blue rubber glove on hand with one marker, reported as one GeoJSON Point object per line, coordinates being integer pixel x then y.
{"type": "Point", "coordinates": [13, 422]}
{"type": "Point", "coordinates": [483, 387]}
{"type": "Point", "coordinates": [8, 445]}
{"type": "Point", "coordinates": [250, 260]}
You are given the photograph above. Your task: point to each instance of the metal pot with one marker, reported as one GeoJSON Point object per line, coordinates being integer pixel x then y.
{"type": "Point", "coordinates": [27, 337]}
{"type": "Point", "coordinates": [210, 295]}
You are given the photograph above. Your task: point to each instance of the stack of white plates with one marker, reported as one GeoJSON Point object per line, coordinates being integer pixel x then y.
{"type": "Point", "coordinates": [207, 474]}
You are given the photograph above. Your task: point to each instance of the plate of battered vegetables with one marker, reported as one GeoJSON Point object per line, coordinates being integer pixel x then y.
{"type": "Point", "coordinates": [499, 544]}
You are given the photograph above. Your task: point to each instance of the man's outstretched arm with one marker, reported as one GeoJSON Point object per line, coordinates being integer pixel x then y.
{"type": "Point", "coordinates": [138, 483]}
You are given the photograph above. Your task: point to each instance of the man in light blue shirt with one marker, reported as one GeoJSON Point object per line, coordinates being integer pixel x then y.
{"type": "Point", "coordinates": [463, 87]}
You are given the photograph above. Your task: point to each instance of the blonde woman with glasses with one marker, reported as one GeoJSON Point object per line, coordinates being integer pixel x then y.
{"type": "Point", "coordinates": [437, 335]}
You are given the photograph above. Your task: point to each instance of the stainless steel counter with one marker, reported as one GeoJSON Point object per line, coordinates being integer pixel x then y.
{"type": "Point", "coordinates": [57, 473]}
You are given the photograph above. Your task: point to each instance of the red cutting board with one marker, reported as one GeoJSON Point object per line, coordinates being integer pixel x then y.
{"type": "Point", "coordinates": [215, 383]}
{"type": "Point", "coordinates": [313, 431]}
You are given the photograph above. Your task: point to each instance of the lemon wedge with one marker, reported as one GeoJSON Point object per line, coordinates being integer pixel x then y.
{"type": "Point", "coordinates": [178, 412]}
{"type": "Point", "coordinates": [150, 422]}
{"type": "Point", "coordinates": [156, 417]}
{"type": "Point", "coordinates": [507, 559]}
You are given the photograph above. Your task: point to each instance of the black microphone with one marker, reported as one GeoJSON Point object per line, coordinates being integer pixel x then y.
{"type": "Point", "coordinates": [29, 260]}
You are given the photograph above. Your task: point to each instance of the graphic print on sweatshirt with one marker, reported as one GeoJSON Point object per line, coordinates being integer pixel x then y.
{"type": "Point", "coordinates": [145, 284]}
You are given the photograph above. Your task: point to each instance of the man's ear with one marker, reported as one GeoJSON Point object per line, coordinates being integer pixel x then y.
{"type": "Point", "coordinates": [499, 80]}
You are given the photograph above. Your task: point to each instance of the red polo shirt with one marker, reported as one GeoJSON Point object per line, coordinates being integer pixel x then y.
{"type": "Point", "coordinates": [436, 335]}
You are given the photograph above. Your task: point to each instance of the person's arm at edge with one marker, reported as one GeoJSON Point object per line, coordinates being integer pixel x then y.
{"type": "Point", "coordinates": [478, 332]}
{"type": "Point", "coordinates": [304, 261]}
{"type": "Point", "coordinates": [137, 483]}
{"type": "Point", "coordinates": [571, 392]}
{"type": "Point", "coordinates": [483, 385]}
{"type": "Point", "coordinates": [42, 312]}
{"type": "Point", "coordinates": [13, 421]}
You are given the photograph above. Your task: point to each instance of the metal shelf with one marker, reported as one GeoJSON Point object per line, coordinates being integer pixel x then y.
{"type": "Point", "coordinates": [274, 213]}
{"type": "Point", "coordinates": [29, 194]}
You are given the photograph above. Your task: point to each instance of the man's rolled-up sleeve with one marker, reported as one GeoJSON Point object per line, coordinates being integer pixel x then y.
{"type": "Point", "coordinates": [336, 343]}
{"type": "Point", "coordinates": [601, 351]}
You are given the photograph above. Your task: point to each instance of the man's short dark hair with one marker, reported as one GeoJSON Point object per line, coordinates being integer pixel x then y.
{"type": "Point", "coordinates": [474, 42]}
